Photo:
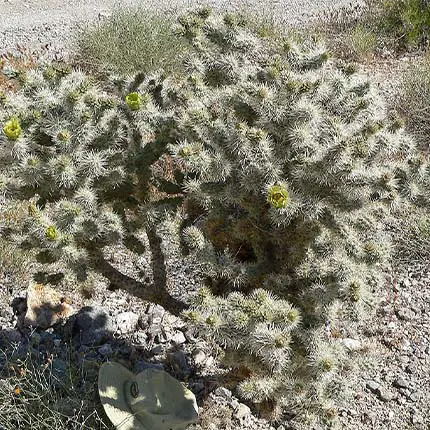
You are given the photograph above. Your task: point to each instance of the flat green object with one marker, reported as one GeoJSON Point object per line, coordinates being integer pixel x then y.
{"type": "Point", "coordinates": [150, 400]}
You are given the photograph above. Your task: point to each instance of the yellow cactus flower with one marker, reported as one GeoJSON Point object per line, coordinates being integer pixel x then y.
{"type": "Point", "coordinates": [278, 196]}
{"type": "Point", "coordinates": [12, 129]}
{"type": "Point", "coordinates": [51, 233]}
{"type": "Point", "coordinates": [135, 101]}
{"type": "Point", "coordinates": [186, 151]}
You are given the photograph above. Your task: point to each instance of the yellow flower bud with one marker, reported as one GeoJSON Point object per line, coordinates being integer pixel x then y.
{"type": "Point", "coordinates": [12, 129]}
{"type": "Point", "coordinates": [278, 196]}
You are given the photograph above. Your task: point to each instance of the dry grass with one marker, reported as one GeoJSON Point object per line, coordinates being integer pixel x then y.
{"type": "Point", "coordinates": [33, 396]}
{"type": "Point", "coordinates": [131, 40]}
{"type": "Point", "coordinates": [413, 100]}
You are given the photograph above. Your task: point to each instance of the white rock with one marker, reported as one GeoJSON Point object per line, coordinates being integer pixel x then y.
{"type": "Point", "coordinates": [179, 338]}
{"type": "Point", "coordinates": [242, 411]}
{"type": "Point", "coordinates": [127, 322]}
{"type": "Point", "coordinates": [351, 344]}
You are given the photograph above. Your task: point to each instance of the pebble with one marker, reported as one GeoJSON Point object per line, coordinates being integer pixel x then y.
{"type": "Point", "coordinates": [372, 386]}
{"type": "Point", "coordinates": [178, 362]}
{"type": "Point", "coordinates": [352, 344]}
{"type": "Point", "coordinates": [199, 357]}
{"type": "Point", "coordinates": [223, 393]}
{"type": "Point", "coordinates": [384, 394]}
{"type": "Point", "coordinates": [401, 383]}
{"type": "Point", "coordinates": [105, 350]}
{"type": "Point", "coordinates": [178, 338]}
{"type": "Point", "coordinates": [141, 365]}
{"type": "Point", "coordinates": [242, 411]}
{"type": "Point", "coordinates": [127, 322]}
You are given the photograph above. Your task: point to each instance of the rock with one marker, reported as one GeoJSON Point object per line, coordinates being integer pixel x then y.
{"type": "Point", "coordinates": [104, 15]}
{"type": "Point", "coordinates": [141, 365]}
{"type": "Point", "coordinates": [59, 368]}
{"type": "Point", "coordinates": [411, 368]}
{"type": "Point", "coordinates": [178, 362]}
{"type": "Point", "coordinates": [197, 387]}
{"type": "Point", "coordinates": [199, 357]}
{"type": "Point", "coordinates": [105, 350]}
{"type": "Point", "coordinates": [372, 386]}
{"type": "Point", "coordinates": [93, 326]}
{"type": "Point", "coordinates": [178, 338]}
{"type": "Point", "coordinates": [405, 314]}
{"type": "Point", "coordinates": [127, 322]}
{"type": "Point", "coordinates": [234, 404]}
{"type": "Point", "coordinates": [242, 411]}
{"type": "Point", "coordinates": [210, 361]}
{"type": "Point", "coordinates": [157, 350]}
{"type": "Point", "coordinates": [46, 306]}
{"type": "Point", "coordinates": [384, 394]}
{"type": "Point", "coordinates": [46, 337]}
{"type": "Point", "coordinates": [401, 383]}
{"type": "Point", "coordinates": [223, 393]}
{"type": "Point", "coordinates": [67, 406]}
{"type": "Point", "coordinates": [155, 314]}
{"type": "Point", "coordinates": [90, 365]}
{"type": "Point", "coordinates": [19, 305]}
{"type": "Point", "coordinates": [351, 344]}
{"type": "Point", "coordinates": [405, 282]}
{"type": "Point", "coordinates": [11, 335]}
{"type": "Point", "coordinates": [404, 359]}
{"type": "Point", "coordinates": [417, 418]}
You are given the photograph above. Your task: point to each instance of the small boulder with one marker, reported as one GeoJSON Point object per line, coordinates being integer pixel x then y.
{"type": "Point", "coordinates": [242, 411]}
{"type": "Point", "coordinates": [127, 322]}
{"type": "Point", "coordinates": [92, 326]}
{"type": "Point", "coordinates": [46, 307]}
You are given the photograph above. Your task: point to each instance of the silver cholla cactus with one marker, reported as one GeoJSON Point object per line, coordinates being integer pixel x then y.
{"type": "Point", "coordinates": [81, 152]}
{"type": "Point", "coordinates": [294, 162]}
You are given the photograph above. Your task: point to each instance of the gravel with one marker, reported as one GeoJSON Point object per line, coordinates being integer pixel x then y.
{"type": "Point", "coordinates": [37, 23]}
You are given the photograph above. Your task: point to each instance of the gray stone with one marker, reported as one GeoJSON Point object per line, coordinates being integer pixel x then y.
{"type": "Point", "coordinates": [197, 387]}
{"type": "Point", "coordinates": [234, 404]}
{"type": "Point", "coordinates": [141, 365]}
{"type": "Point", "coordinates": [158, 349]}
{"type": "Point", "coordinates": [59, 368]}
{"type": "Point", "coordinates": [411, 368]}
{"type": "Point", "coordinates": [401, 383]}
{"type": "Point", "coordinates": [417, 418]}
{"type": "Point", "coordinates": [372, 386]}
{"type": "Point", "coordinates": [404, 359]}
{"type": "Point", "coordinates": [242, 411]}
{"type": "Point", "coordinates": [155, 314]}
{"type": "Point", "coordinates": [105, 350]}
{"type": "Point", "coordinates": [67, 406]}
{"type": "Point", "coordinates": [179, 338]}
{"type": "Point", "coordinates": [223, 392]}
{"type": "Point", "coordinates": [93, 326]}
{"type": "Point", "coordinates": [352, 344]}
{"type": "Point", "coordinates": [384, 394]}
{"type": "Point", "coordinates": [414, 397]}
{"type": "Point", "coordinates": [11, 335]}
{"type": "Point", "coordinates": [199, 357]}
{"type": "Point", "coordinates": [178, 362]}
{"type": "Point", "coordinates": [127, 322]}
{"type": "Point", "coordinates": [405, 314]}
